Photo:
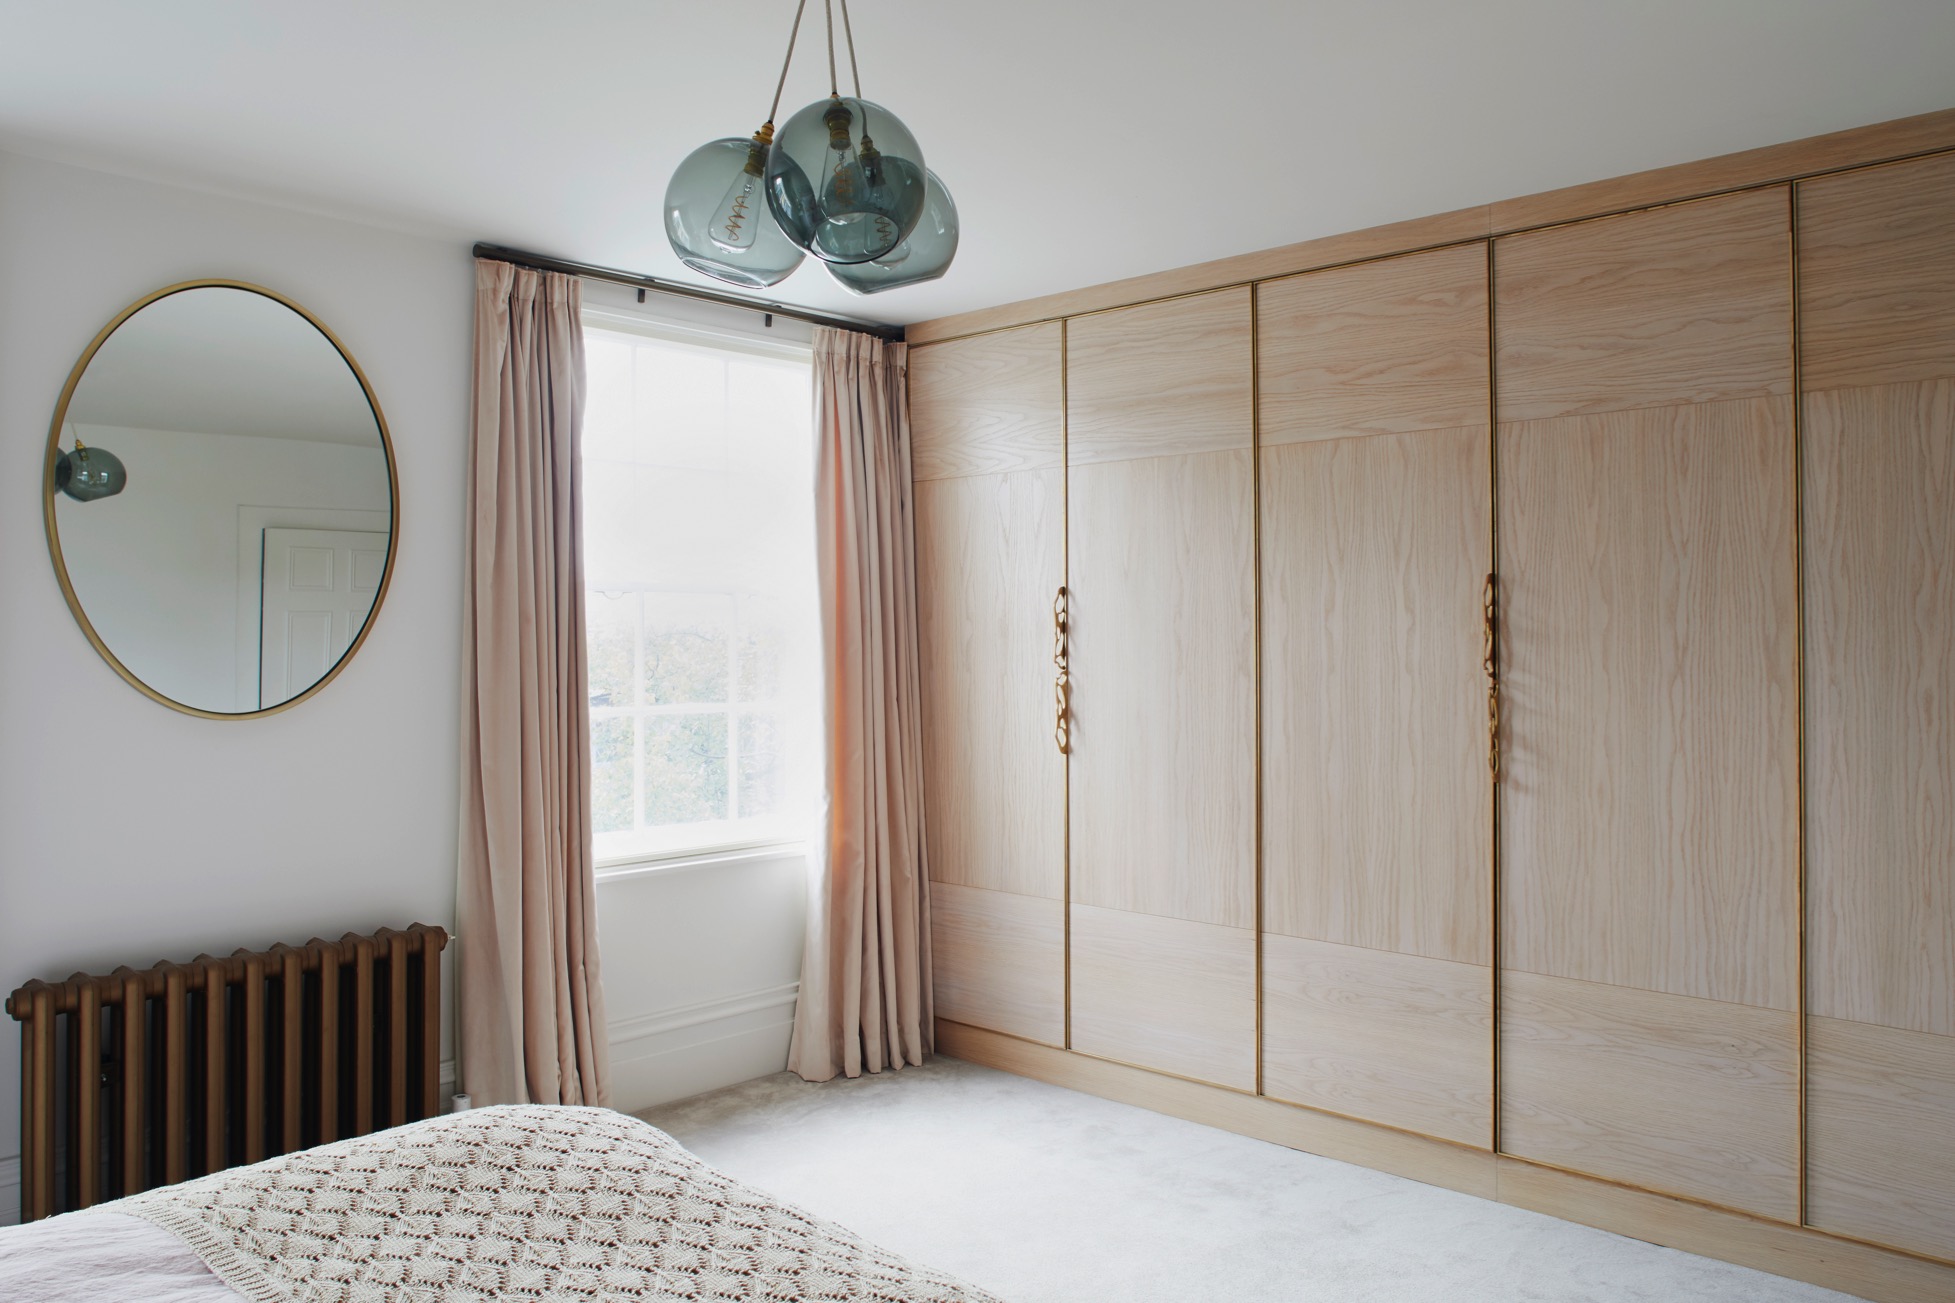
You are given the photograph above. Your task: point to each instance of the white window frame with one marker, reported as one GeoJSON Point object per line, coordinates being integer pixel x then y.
{"type": "Point", "coordinates": [700, 325]}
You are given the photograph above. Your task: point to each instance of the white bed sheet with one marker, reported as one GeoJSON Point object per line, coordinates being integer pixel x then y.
{"type": "Point", "coordinates": [103, 1257]}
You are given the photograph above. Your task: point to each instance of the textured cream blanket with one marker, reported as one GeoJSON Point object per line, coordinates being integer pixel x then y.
{"type": "Point", "coordinates": [519, 1203]}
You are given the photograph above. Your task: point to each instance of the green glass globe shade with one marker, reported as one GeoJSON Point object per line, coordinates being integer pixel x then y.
{"type": "Point", "coordinates": [845, 180]}
{"type": "Point", "coordinates": [717, 219]}
{"type": "Point", "coordinates": [923, 256]}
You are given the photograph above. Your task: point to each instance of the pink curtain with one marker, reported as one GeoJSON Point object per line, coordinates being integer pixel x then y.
{"type": "Point", "coordinates": [530, 1006]}
{"type": "Point", "coordinates": [865, 982]}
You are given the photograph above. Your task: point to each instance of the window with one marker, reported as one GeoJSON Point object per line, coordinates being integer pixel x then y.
{"type": "Point", "coordinates": [700, 590]}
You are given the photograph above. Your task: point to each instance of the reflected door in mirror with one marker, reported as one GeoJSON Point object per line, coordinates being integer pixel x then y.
{"type": "Point", "coordinates": [318, 587]}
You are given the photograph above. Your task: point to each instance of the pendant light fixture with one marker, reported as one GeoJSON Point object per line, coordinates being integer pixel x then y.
{"type": "Point", "coordinates": [843, 180]}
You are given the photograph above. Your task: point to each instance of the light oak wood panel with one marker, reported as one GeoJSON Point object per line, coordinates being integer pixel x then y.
{"type": "Point", "coordinates": [1398, 1039]}
{"type": "Point", "coordinates": [1880, 1134]}
{"type": "Point", "coordinates": [1694, 1227]}
{"type": "Point", "coordinates": [999, 961]}
{"type": "Point", "coordinates": [989, 552]}
{"type": "Point", "coordinates": [1649, 686]}
{"type": "Point", "coordinates": [1854, 147]}
{"type": "Point", "coordinates": [981, 406]}
{"type": "Point", "coordinates": [1880, 704]}
{"type": "Point", "coordinates": [1384, 347]}
{"type": "Point", "coordinates": [1683, 1096]}
{"type": "Point", "coordinates": [1813, 1256]}
{"type": "Point", "coordinates": [1435, 1162]}
{"type": "Point", "coordinates": [1330, 251]}
{"type": "Point", "coordinates": [1163, 687]}
{"type": "Point", "coordinates": [1877, 275]}
{"type": "Point", "coordinates": [1376, 811]}
{"type": "Point", "coordinates": [1159, 380]}
{"type": "Point", "coordinates": [1165, 993]}
{"type": "Point", "coordinates": [1688, 304]}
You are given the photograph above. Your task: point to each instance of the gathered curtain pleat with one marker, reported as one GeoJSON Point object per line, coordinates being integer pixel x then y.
{"type": "Point", "coordinates": [865, 1001]}
{"type": "Point", "coordinates": [530, 1004]}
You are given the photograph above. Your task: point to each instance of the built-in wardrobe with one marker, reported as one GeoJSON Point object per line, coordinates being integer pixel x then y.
{"type": "Point", "coordinates": [1484, 707]}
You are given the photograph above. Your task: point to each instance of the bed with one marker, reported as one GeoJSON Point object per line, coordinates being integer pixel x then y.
{"type": "Point", "coordinates": [512, 1203]}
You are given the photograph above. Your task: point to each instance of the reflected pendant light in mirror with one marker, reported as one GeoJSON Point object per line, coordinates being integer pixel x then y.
{"type": "Point", "coordinates": [245, 567]}
{"type": "Point", "coordinates": [844, 179]}
{"type": "Point", "coordinates": [88, 474]}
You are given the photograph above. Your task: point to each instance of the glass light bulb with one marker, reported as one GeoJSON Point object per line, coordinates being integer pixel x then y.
{"type": "Point", "coordinates": [736, 219]}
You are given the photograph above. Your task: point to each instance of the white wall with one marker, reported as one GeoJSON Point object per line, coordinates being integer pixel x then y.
{"type": "Point", "coordinates": [131, 833]}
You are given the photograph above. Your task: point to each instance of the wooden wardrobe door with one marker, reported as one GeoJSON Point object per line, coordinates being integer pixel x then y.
{"type": "Point", "coordinates": [1649, 627]}
{"type": "Point", "coordinates": [1163, 763]}
{"type": "Point", "coordinates": [1877, 318]}
{"type": "Point", "coordinates": [988, 457]}
{"type": "Point", "coordinates": [1377, 810]}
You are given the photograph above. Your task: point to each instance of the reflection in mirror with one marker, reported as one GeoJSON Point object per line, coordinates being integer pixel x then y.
{"type": "Point", "coordinates": [241, 552]}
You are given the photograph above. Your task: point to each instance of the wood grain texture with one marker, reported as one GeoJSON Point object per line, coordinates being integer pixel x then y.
{"type": "Point", "coordinates": [999, 961]}
{"type": "Point", "coordinates": [1793, 1251]}
{"type": "Point", "coordinates": [1163, 687]}
{"type": "Point", "coordinates": [1877, 275]}
{"type": "Point", "coordinates": [1688, 304]}
{"type": "Point", "coordinates": [1880, 704]}
{"type": "Point", "coordinates": [1165, 993]}
{"type": "Point", "coordinates": [1649, 644]}
{"type": "Point", "coordinates": [1376, 812]}
{"type": "Point", "coordinates": [982, 406]}
{"type": "Point", "coordinates": [1811, 156]}
{"type": "Point", "coordinates": [1854, 147]}
{"type": "Point", "coordinates": [1384, 347]}
{"type": "Point", "coordinates": [1398, 1039]}
{"type": "Point", "coordinates": [1394, 238]}
{"type": "Point", "coordinates": [990, 556]}
{"type": "Point", "coordinates": [1682, 1096]}
{"type": "Point", "coordinates": [1880, 1129]}
{"type": "Point", "coordinates": [1159, 380]}
{"type": "Point", "coordinates": [1417, 1158]}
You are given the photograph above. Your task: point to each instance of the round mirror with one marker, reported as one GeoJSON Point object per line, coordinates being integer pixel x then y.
{"type": "Point", "coordinates": [220, 499]}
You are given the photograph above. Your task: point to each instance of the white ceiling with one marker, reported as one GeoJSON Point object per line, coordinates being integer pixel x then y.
{"type": "Point", "coordinates": [1083, 141]}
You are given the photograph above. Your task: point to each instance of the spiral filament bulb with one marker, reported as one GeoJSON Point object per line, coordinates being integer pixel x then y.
{"type": "Point", "coordinates": [734, 223]}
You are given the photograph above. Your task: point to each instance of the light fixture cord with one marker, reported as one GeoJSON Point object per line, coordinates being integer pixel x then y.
{"type": "Point", "coordinates": [828, 7]}
{"type": "Point", "coordinates": [855, 72]}
{"type": "Point", "coordinates": [792, 36]}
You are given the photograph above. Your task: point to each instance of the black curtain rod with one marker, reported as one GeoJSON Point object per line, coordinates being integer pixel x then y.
{"type": "Point", "coordinates": [542, 262]}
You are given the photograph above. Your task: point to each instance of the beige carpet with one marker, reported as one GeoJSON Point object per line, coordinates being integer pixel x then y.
{"type": "Point", "coordinates": [1044, 1195]}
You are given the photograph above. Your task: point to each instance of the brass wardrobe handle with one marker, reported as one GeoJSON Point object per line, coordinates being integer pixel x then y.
{"type": "Point", "coordinates": [1489, 609]}
{"type": "Point", "coordinates": [1062, 685]}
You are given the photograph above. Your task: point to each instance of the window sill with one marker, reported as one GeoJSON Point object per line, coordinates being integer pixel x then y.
{"type": "Point", "coordinates": [711, 857]}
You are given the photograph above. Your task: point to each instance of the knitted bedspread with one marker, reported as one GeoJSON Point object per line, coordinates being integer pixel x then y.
{"type": "Point", "coordinates": [519, 1203]}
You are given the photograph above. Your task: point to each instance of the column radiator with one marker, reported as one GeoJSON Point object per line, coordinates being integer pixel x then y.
{"type": "Point", "coordinates": [140, 1079]}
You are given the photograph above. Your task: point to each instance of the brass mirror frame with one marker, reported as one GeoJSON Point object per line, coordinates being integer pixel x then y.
{"type": "Point", "coordinates": [54, 535]}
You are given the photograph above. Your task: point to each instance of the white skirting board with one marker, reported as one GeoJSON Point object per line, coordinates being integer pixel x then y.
{"type": "Point", "coordinates": [688, 1051]}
